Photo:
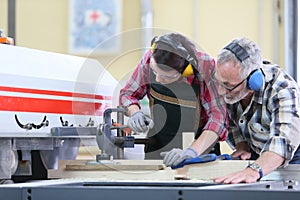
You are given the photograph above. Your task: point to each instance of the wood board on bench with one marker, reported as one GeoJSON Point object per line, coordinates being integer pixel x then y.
{"type": "Point", "coordinates": [126, 165]}
{"type": "Point", "coordinates": [140, 170]}
{"type": "Point", "coordinates": [210, 170]}
{"type": "Point", "coordinates": [140, 173]}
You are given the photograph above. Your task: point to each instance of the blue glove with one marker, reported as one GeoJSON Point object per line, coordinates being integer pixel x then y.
{"type": "Point", "coordinates": [176, 156]}
{"type": "Point", "coordinates": [139, 122]}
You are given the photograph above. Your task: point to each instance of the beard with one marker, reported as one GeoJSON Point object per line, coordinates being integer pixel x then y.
{"type": "Point", "coordinates": [232, 99]}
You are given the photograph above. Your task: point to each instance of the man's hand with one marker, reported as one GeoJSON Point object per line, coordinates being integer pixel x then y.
{"type": "Point", "coordinates": [248, 175]}
{"type": "Point", "coordinates": [241, 154]}
{"type": "Point", "coordinates": [139, 122]}
{"type": "Point", "coordinates": [176, 156]}
{"type": "Point", "coordinates": [268, 161]}
{"type": "Point", "coordinates": [242, 151]}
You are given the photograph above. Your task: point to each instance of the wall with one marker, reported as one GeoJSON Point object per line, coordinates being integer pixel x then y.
{"type": "Point", "coordinates": [3, 15]}
{"type": "Point", "coordinates": [42, 24]}
{"type": "Point", "coordinates": [211, 24]}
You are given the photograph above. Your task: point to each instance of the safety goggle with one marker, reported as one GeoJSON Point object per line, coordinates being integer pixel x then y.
{"type": "Point", "coordinates": [213, 76]}
{"type": "Point", "coordinates": [164, 76]}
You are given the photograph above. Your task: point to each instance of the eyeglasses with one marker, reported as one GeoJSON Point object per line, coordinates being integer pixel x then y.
{"type": "Point", "coordinates": [164, 76]}
{"type": "Point", "coordinates": [213, 76]}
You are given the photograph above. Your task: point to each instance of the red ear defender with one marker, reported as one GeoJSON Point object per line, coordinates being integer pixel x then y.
{"type": "Point", "coordinates": [188, 71]}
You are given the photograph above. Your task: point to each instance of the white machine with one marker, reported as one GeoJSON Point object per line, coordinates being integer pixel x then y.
{"type": "Point", "coordinates": [44, 95]}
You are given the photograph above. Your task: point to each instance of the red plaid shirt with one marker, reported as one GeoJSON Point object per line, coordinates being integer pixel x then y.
{"type": "Point", "coordinates": [213, 112]}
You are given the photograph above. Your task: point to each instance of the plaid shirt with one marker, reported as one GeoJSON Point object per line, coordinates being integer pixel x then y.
{"type": "Point", "coordinates": [270, 121]}
{"type": "Point", "coordinates": [214, 112]}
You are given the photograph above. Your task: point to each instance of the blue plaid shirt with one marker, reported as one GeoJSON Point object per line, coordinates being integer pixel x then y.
{"type": "Point", "coordinates": [271, 120]}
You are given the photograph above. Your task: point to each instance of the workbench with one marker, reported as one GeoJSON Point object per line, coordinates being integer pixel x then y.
{"type": "Point", "coordinates": [191, 182]}
{"type": "Point", "coordinates": [94, 189]}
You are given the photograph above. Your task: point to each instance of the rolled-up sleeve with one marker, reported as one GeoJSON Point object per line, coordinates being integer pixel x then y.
{"type": "Point", "coordinates": [137, 86]}
{"type": "Point", "coordinates": [284, 128]}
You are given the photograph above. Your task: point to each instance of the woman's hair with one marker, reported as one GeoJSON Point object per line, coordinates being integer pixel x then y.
{"type": "Point", "coordinates": [173, 51]}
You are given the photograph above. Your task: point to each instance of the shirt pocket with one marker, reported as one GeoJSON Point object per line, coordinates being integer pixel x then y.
{"type": "Point", "coordinates": [259, 134]}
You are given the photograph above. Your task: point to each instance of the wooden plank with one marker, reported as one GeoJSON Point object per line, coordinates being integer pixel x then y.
{"type": "Point", "coordinates": [138, 170]}
{"type": "Point", "coordinates": [111, 165]}
{"type": "Point", "coordinates": [210, 170]}
{"type": "Point", "coordinates": [165, 174]}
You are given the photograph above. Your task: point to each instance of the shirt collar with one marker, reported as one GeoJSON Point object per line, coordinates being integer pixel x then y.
{"type": "Point", "coordinates": [258, 95]}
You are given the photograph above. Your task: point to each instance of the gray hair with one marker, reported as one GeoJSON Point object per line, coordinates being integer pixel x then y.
{"type": "Point", "coordinates": [249, 64]}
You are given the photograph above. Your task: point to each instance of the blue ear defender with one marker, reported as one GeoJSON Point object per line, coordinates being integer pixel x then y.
{"type": "Point", "coordinates": [255, 80]}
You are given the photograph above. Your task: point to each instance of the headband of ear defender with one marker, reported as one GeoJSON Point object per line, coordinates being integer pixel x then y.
{"type": "Point", "coordinates": [178, 49]}
{"type": "Point", "coordinates": [239, 52]}
{"type": "Point", "coordinates": [256, 77]}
